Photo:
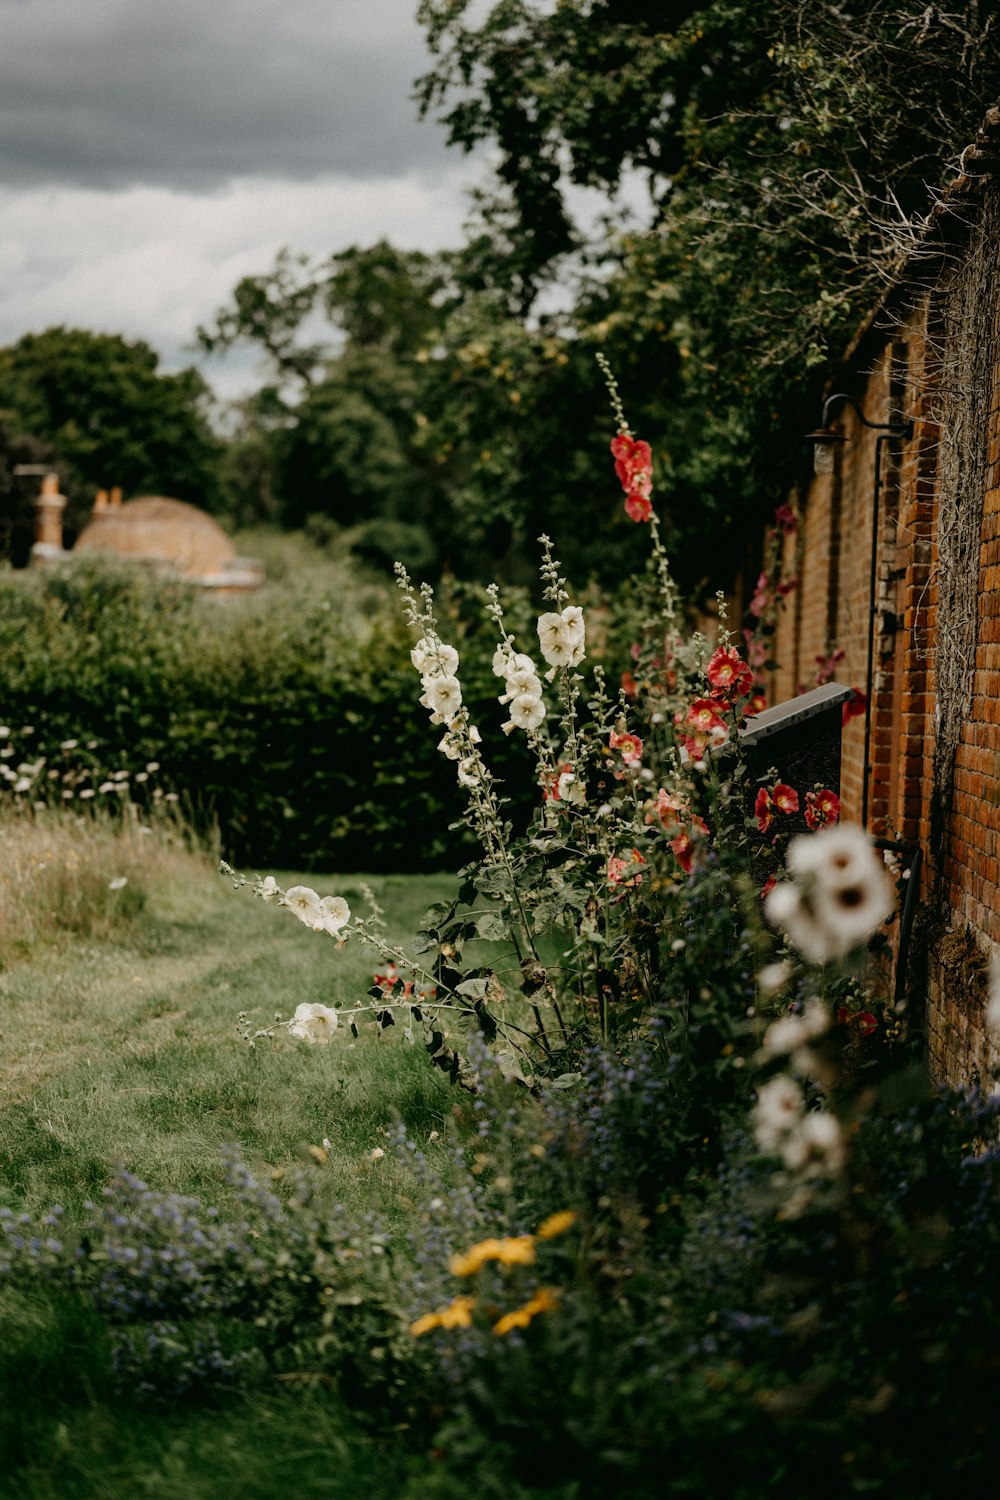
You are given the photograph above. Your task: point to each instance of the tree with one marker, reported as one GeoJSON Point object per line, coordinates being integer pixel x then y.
{"type": "Point", "coordinates": [787, 150]}
{"type": "Point", "coordinates": [109, 417]}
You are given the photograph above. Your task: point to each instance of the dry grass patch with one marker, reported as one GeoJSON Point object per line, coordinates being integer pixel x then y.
{"type": "Point", "coordinates": [65, 877]}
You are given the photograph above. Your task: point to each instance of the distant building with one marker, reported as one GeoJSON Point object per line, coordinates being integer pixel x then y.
{"type": "Point", "coordinates": [174, 539]}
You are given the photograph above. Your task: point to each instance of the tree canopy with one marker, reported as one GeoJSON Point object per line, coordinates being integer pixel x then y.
{"type": "Point", "coordinates": [108, 416]}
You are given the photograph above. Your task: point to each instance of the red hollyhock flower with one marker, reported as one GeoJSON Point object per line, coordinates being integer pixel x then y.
{"type": "Point", "coordinates": [785, 798]}
{"type": "Point", "coordinates": [633, 460]}
{"type": "Point", "coordinates": [666, 809]}
{"type": "Point", "coordinates": [629, 685]}
{"type": "Point", "coordinates": [683, 845]}
{"type": "Point", "coordinates": [785, 517]}
{"type": "Point", "coordinates": [768, 886]}
{"type": "Point", "coordinates": [854, 706]}
{"type": "Point", "coordinates": [704, 716]}
{"type": "Point", "coordinates": [728, 673]}
{"type": "Point", "coordinates": [755, 704]}
{"type": "Point", "coordinates": [684, 850]}
{"type": "Point", "coordinates": [822, 808]}
{"type": "Point", "coordinates": [762, 809]}
{"type": "Point", "coordinates": [863, 1019]}
{"type": "Point", "coordinates": [638, 507]}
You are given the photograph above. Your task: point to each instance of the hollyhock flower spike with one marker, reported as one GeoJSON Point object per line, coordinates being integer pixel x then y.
{"type": "Point", "coordinates": [634, 468]}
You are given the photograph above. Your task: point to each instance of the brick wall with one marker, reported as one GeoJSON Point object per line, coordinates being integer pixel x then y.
{"type": "Point", "coordinates": [933, 355]}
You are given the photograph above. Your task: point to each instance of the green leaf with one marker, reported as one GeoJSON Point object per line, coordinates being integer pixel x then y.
{"type": "Point", "coordinates": [491, 927]}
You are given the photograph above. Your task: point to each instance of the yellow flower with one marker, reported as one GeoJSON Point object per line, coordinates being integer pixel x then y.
{"type": "Point", "coordinates": [517, 1251]}
{"type": "Point", "coordinates": [555, 1224]}
{"type": "Point", "coordinates": [458, 1314]}
{"type": "Point", "coordinates": [544, 1300]}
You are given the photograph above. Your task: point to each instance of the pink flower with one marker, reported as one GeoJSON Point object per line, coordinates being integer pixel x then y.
{"type": "Point", "coordinates": [666, 808]}
{"type": "Point", "coordinates": [638, 507]}
{"type": "Point", "coordinates": [761, 596]}
{"type": "Point", "coordinates": [629, 685]}
{"type": "Point", "coordinates": [755, 704]}
{"type": "Point", "coordinates": [786, 518]}
{"type": "Point", "coordinates": [826, 665]}
{"type": "Point", "coordinates": [619, 867]}
{"type": "Point", "coordinates": [629, 745]}
{"type": "Point", "coordinates": [822, 808]}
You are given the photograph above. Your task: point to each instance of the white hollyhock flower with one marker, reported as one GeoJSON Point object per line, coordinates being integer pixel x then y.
{"type": "Point", "coordinates": [774, 977]}
{"type": "Point", "coordinates": [527, 711]}
{"type": "Point", "coordinates": [443, 696]}
{"type": "Point", "coordinates": [814, 1146]}
{"type": "Point", "coordinates": [785, 908]}
{"type": "Point", "coordinates": [521, 680]}
{"type": "Point", "coordinates": [573, 620]}
{"type": "Point", "coordinates": [791, 1032]}
{"type": "Point", "coordinates": [303, 902]}
{"type": "Point", "coordinates": [562, 636]}
{"type": "Point", "coordinates": [450, 746]}
{"type": "Point", "coordinates": [432, 658]}
{"type": "Point", "coordinates": [570, 788]}
{"type": "Point", "coordinates": [553, 631]}
{"type": "Point", "coordinates": [469, 773]}
{"type": "Point", "coordinates": [334, 914]}
{"type": "Point", "coordinates": [778, 1110]}
{"type": "Point", "coordinates": [268, 888]}
{"type": "Point", "coordinates": [314, 1024]}
{"type": "Point", "coordinates": [838, 896]}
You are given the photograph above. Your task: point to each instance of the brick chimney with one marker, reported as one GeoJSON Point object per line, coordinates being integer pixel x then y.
{"type": "Point", "coordinates": [49, 507]}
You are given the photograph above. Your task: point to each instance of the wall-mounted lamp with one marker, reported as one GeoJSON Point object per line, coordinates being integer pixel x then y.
{"type": "Point", "coordinates": [824, 441]}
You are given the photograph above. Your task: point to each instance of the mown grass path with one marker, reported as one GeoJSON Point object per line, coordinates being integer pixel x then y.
{"type": "Point", "coordinates": [126, 1053]}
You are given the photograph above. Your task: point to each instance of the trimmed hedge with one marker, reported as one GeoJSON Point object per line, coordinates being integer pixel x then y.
{"type": "Point", "coordinates": [289, 719]}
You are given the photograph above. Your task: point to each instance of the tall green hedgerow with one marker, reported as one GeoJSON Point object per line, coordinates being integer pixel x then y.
{"type": "Point", "coordinates": [283, 719]}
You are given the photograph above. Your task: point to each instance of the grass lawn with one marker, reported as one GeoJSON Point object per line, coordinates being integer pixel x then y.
{"type": "Point", "coordinates": [122, 1050]}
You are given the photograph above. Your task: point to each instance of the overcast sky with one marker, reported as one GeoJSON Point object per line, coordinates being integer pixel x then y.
{"type": "Point", "coordinates": [154, 151]}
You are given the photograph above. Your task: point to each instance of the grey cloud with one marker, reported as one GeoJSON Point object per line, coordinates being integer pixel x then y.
{"type": "Point", "coordinates": [192, 93]}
